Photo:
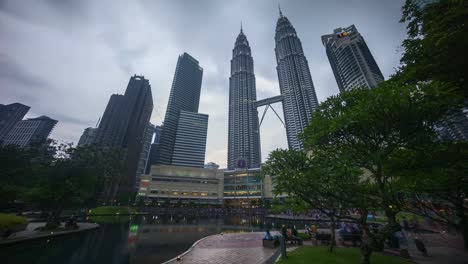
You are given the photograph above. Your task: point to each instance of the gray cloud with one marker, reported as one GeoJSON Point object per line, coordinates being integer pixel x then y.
{"type": "Point", "coordinates": [65, 58]}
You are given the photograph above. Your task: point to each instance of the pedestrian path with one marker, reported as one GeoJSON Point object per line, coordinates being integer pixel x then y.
{"type": "Point", "coordinates": [242, 248]}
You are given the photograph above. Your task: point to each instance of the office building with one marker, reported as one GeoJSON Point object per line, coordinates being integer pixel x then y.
{"type": "Point", "coordinates": [190, 143]}
{"type": "Point", "coordinates": [175, 184]}
{"type": "Point", "coordinates": [153, 149]}
{"type": "Point", "coordinates": [351, 60]}
{"type": "Point", "coordinates": [295, 81]}
{"type": "Point", "coordinates": [454, 127]}
{"type": "Point", "coordinates": [243, 133]}
{"type": "Point", "coordinates": [88, 137]}
{"type": "Point", "coordinates": [123, 126]}
{"type": "Point", "coordinates": [9, 115]}
{"type": "Point", "coordinates": [112, 128]}
{"type": "Point", "coordinates": [184, 96]}
{"type": "Point", "coordinates": [145, 151]}
{"type": "Point", "coordinates": [30, 131]}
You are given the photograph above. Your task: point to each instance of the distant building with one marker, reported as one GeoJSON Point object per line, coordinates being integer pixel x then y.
{"type": "Point", "coordinates": [124, 124]}
{"type": "Point", "coordinates": [175, 184]}
{"type": "Point", "coordinates": [455, 127]}
{"type": "Point", "coordinates": [241, 187]}
{"type": "Point", "coordinates": [211, 165]}
{"type": "Point", "coordinates": [153, 149]}
{"type": "Point", "coordinates": [295, 81]}
{"type": "Point", "coordinates": [144, 153]}
{"type": "Point", "coordinates": [30, 131]}
{"type": "Point", "coordinates": [88, 137]}
{"type": "Point", "coordinates": [421, 4]}
{"type": "Point", "coordinates": [243, 133]}
{"type": "Point", "coordinates": [112, 128]}
{"type": "Point", "coordinates": [9, 116]}
{"type": "Point", "coordinates": [190, 143]}
{"type": "Point", "coordinates": [184, 96]}
{"type": "Point", "coordinates": [351, 60]}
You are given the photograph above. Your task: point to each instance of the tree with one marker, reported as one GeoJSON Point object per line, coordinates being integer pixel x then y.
{"type": "Point", "coordinates": [310, 180]}
{"type": "Point", "coordinates": [435, 49]}
{"type": "Point", "coordinates": [436, 183]}
{"type": "Point", "coordinates": [366, 128]}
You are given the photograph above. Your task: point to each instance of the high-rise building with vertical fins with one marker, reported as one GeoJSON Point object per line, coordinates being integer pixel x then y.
{"type": "Point", "coordinates": [243, 136]}
{"type": "Point", "coordinates": [184, 96]}
{"type": "Point", "coordinates": [295, 81]}
{"type": "Point", "coordinates": [351, 60]}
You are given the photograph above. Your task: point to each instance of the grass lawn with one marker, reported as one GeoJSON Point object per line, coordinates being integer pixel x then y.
{"type": "Point", "coordinates": [8, 221]}
{"type": "Point", "coordinates": [111, 210]}
{"type": "Point", "coordinates": [117, 214]}
{"type": "Point", "coordinates": [320, 255]}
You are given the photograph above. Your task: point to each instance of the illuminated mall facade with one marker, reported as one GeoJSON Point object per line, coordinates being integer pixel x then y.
{"type": "Point", "coordinates": [209, 186]}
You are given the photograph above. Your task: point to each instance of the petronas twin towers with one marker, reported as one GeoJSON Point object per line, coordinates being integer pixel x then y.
{"type": "Point", "coordinates": [297, 95]}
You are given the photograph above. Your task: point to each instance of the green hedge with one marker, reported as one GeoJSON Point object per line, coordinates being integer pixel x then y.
{"type": "Point", "coordinates": [8, 221]}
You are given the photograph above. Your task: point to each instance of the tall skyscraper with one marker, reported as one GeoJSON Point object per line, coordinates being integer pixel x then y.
{"type": "Point", "coordinates": [154, 149]}
{"type": "Point", "coordinates": [243, 136]}
{"type": "Point", "coordinates": [295, 81]}
{"type": "Point", "coordinates": [112, 128]}
{"type": "Point", "coordinates": [190, 143]}
{"type": "Point", "coordinates": [124, 123]}
{"type": "Point", "coordinates": [145, 151]}
{"type": "Point", "coordinates": [30, 131]}
{"type": "Point", "coordinates": [184, 96]}
{"type": "Point", "coordinates": [351, 60]}
{"type": "Point", "coordinates": [88, 137]}
{"type": "Point", "coordinates": [9, 116]}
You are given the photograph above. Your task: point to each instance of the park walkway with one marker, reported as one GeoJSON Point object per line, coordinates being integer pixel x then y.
{"type": "Point", "coordinates": [441, 247]}
{"type": "Point", "coordinates": [30, 233]}
{"type": "Point", "coordinates": [242, 248]}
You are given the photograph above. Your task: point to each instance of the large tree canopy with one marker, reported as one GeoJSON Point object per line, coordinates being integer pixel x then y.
{"type": "Point", "coordinates": [436, 45]}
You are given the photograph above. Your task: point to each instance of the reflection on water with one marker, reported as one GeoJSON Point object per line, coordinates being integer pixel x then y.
{"type": "Point", "coordinates": [143, 239]}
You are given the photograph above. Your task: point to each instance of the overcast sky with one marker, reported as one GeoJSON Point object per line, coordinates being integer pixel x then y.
{"type": "Point", "coordinates": [65, 58]}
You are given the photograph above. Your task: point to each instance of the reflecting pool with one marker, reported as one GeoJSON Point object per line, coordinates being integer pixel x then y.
{"type": "Point", "coordinates": [137, 239]}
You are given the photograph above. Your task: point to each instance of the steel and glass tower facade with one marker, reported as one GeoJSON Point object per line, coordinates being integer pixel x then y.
{"type": "Point", "coordinates": [295, 81]}
{"type": "Point", "coordinates": [9, 116]}
{"type": "Point", "coordinates": [123, 126]}
{"type": "Point", "coordinates": [184, 96]}
{"type": "Point", "coordinates": [351, 60]}
{"type": "Point", "coordinates": [190, 143]}
{"type": "Point", "coordinates": [243, 136]}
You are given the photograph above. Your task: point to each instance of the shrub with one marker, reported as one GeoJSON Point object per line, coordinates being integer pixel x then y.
{"type": "Point", "coordinates": [303, 236]}
{"type": "Point", "coordinates": [8, 221]}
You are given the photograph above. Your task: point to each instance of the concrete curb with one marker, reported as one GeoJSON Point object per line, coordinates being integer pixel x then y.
{"type": "Point", "coordinates": [188, 250]}
{"type": "Point", "coordinates": [7, 243]}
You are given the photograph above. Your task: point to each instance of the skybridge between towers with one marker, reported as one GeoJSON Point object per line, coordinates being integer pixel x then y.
{"type": "Point", "coordinates": [268, 103]}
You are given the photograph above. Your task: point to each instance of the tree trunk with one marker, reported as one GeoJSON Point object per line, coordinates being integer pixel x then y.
{"type": "Point", "coordinates": [463, 228]}
{"type": "Point", "coordinates": [331, 246]}
{"type": "Point", "coordinates": [366, 240]}
{"type": "Point", "coordinates": [365, 252]}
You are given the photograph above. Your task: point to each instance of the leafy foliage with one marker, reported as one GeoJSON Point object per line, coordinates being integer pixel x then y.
{"type": "Point", "coordinates": [435, 49]}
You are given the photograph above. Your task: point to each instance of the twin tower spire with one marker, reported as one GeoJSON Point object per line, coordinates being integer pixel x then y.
{"type": "Point", "coordinates": [297, 95]}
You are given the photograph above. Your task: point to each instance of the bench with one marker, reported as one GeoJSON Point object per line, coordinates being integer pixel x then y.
{"type": "Point", "coordinates": [270, 243]}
